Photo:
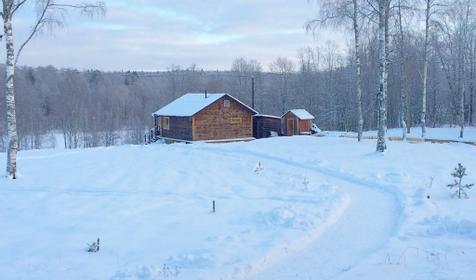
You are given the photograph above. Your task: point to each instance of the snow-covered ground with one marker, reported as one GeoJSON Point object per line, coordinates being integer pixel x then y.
{"type": "Point", "coordinates": [440, 133]}
{"type": "Point", "coordinates": [319, 208]}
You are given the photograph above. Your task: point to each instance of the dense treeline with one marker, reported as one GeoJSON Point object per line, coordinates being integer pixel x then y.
{"type": "Point", "coordinates": [94, 108]}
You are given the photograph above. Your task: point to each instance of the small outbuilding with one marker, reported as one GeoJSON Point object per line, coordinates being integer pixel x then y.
{"type": "Point", "coordinates": [211, 117]}
{"type": "Point", "coordinates": [266, 126]}
{"type": "Point", "coordinates": [297, 122]}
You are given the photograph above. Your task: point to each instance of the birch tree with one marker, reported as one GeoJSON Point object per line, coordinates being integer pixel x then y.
{"type": "Point", "coordinates": [355, 20]}
{"type": "Point", "coordinates": [47, 17]}
{"type": "Point", "coordinates": [403, 80]}
{"type": "Point", "coordinates": [342, 12]}
{"type": "Point", "coordinates": [428, 13]}
{"type": "Point", "coordinates": [383, 13]}
{"type": "Point", "coordinates": [466, 25]}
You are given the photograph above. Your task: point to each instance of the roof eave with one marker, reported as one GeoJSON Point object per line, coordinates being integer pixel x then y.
{"type": "Point", "coordinates": [246, 106]}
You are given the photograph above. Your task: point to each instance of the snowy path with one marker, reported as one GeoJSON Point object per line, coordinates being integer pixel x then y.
{"type": "Point", "coordinates": [344, 243]}
{"type": "Point", "coordinates": [350, 239]}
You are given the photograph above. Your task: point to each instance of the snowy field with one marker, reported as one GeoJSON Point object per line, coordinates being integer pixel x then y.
{"type": "Point", "coordinates": [318, 208]}
{"type": "Point", "coordinates": [444, 133]}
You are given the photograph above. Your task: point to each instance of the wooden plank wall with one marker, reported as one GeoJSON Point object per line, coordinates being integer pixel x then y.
{"type": "Point", "coordinates": [305, 126]}
{"type": "Point", "coordinates": [218, 122]}
{"type": "Point", "coordinates": [286, 117]}
{"type": "Point", "coordinates": [179, 128]}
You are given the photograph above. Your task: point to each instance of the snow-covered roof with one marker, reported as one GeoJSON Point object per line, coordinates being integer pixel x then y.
{"type": "Point", "coordinates": [266, 116]}
{"type": "Point", "coordinates": [191, 103]}
{"type": "Point", "coordinates": [301, 114]}
{"type": "Point", "coordinates": [188, 105]}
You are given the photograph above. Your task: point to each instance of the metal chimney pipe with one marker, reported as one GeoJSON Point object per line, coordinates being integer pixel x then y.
{"type": "Point", "coordinates": [206, 94]}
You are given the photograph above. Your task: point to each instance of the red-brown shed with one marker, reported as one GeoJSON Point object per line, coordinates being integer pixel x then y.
{"type": "Point", "coordinates": [296, 122]}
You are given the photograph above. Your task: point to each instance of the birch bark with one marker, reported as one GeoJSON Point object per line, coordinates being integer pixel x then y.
{"type": "Point", "coordinates": [355, 19]}
{"type": "Point", "coordinates": [10, 91]}
{"type": "Point", "coordinates": [403, 83]}
{"type": "Point", "coordinates": [425, 70]}
{"type": "Point", "coordinates": [382, 91]}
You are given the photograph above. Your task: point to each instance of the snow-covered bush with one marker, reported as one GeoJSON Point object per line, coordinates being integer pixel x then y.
{"type": "Point", "coordinates": [458, 175]}
{"type": "Point", "coordinates": [259, 167]}
{"type": "Point", "coordinates": [93, 248]}
{"type": "Point", "coordinates": [305, 183]}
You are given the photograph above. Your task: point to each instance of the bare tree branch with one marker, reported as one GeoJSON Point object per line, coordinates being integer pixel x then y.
{"type": "Point", "coordinates": [46, 6]}
{"type": "Point", "coordinates": [17, 5]}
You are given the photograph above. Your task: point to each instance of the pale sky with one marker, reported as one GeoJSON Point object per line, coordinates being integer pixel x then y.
{"type": "Point", "coordinates": [154, 34]}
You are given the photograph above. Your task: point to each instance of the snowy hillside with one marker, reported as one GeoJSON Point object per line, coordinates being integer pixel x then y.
{"type": "Point", "coordinates": [286, 208]}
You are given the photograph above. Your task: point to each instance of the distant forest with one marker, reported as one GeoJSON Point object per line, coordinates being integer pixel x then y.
{"type": "Point", "coordinates": [94, 108]}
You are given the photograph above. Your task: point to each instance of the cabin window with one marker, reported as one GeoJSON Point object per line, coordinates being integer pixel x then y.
{"type": "Point", "coordinates": [166, 123]}
{"type": "Point", "coordinates": [236, 121]}
{"type": "Point", "coordinates": [226, 103]}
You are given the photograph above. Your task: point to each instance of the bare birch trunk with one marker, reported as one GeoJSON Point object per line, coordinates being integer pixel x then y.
{"type": "Point", "coordinates": [403, 103]}
{"type": "Point", "coordinates": [359, 71]}
{"type": "Point", "coordinates": [471, 85]}
{"type": "Point", "coordinates": [463, 71]}
{"type": "Point", "coordinates": [461, 101]}
{"type": "Point", "coordinates": [471, 97]}
{"type": "Point", "coordinates": [381, 95]}
{"type": "Point", "coordinates": [10, 94]}
{"type": "Point", "coordinates": [425, 70]}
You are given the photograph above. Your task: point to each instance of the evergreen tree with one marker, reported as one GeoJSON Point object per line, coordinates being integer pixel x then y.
{"type": "Point", "coordinates": [458, 174]}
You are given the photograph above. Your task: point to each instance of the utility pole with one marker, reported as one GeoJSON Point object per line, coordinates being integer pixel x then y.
{"type": "Point", "coordinates": [253, 92]}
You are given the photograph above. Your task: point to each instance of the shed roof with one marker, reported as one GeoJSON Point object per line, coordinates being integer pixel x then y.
{"type": "Point", "coordinates": [301, 114]}
{"type": "Point", "coordinates": [266, 116]}
{"type": "Point", "coordinates": [191, 103]}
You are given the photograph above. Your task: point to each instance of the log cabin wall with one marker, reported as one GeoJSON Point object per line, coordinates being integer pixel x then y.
{"type": "Point", "coordinates": [178, 127]}
{"type": "Point", "coordinates": [223, 119]}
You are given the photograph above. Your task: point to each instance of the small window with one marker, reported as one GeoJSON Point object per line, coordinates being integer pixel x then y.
{"type": "Point", "coordinates": [236, 121]}
{"type": "Point", "coordinates": [226, 103]}
{"type": "Point", "coordinates": [166, 123]}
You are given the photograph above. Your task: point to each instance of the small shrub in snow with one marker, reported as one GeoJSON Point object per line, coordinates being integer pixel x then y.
{"type": "Point", "coordinates": [259, 167]}
{"type": "Point", "coordinates": [430, 185]}
{"type": "Point", "coordinates": [169, 272]}
{"type": "Point", "coordinates": [305, 183]}
{"type": "Point", "coordinates": [458, 175]}
{"type": "Point", "coordinates": [93, 248]}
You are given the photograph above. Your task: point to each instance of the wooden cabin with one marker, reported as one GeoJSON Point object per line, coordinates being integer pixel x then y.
{"type": "Point", "coordinates": [209, 117]}
{"type": "Point", "coordinates": [266, 126]}
{"type": "Point", "coordinates": [297, 122]}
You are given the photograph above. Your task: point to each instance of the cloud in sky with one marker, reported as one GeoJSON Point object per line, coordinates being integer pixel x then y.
{"type": "Point", "coordinates": [154, 34]}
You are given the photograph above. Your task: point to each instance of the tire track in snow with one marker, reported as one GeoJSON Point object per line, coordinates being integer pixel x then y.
{"type": "Point", "coordinates": [373, 216]}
